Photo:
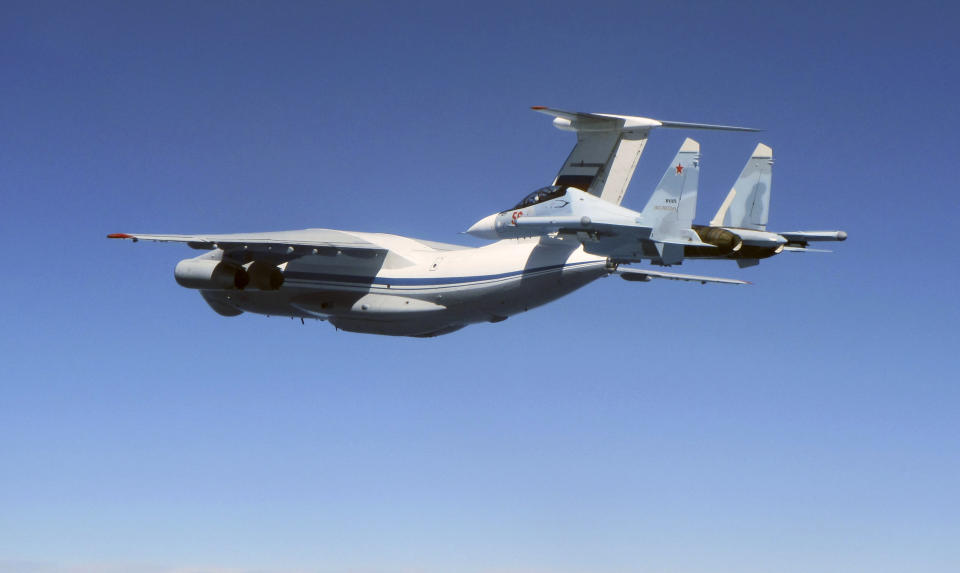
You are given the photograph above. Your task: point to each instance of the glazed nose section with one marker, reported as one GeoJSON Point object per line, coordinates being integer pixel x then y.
{"type": "Point", "coordinates": [485, 228]}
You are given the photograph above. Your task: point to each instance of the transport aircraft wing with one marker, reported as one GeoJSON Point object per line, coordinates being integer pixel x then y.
{"type": "Point", "coordinates": [254, 259]}
{"type": "Point", "coordinates": [278, 244]}
{"type": "Point", "coordinates": [644, 275]}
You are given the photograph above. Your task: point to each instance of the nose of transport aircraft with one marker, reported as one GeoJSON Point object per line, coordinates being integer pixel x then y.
{"type": "Point", "coordinates": [484, 228]}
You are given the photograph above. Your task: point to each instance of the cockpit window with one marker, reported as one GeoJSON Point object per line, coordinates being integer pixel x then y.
{"type": "Point", "coordinates": [541, 195]}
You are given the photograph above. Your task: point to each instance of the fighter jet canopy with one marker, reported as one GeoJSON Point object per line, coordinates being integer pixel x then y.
{"type": "Point", "coordinates": [542, 194]}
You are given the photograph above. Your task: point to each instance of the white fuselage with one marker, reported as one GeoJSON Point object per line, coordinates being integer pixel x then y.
{"type": "Point", "coordinates": [420, 288]}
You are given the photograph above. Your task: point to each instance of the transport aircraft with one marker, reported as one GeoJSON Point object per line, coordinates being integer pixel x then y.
{"type": "Point", "coordinates": [557, 239]}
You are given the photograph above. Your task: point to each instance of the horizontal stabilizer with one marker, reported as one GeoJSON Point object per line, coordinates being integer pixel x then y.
{"type": "Point", "coordinates": [686, 125]}
{"type": "Point", "coordinates": [586, 122]}
{"type": "Point", "coordinates": [644, 275]}
{"type": "Point", "coordinates": [608, 121]}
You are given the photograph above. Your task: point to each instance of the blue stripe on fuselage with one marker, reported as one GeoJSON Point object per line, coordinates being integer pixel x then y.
{"type": "Point", "coordinates": [418, 281]}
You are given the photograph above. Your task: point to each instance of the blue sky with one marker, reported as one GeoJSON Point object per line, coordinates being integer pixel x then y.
{"type": "Point", "coordinates": [808, 422]}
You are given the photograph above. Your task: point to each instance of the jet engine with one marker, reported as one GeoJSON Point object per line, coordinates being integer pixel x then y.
{"type": "Point", "coordinates": [724, 241]}
{"type": "Point", "coordinates": [758, 252]}
{"type": "Point", "coordinates": [758, 244]}
{"type": "Point", "coordinates": [264, 276]}
{"type": "Point", "coordinates": [210, 274]}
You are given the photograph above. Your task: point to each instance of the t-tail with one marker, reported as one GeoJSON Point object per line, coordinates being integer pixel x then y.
{"type": "Point", "coordinates": [608, 148]}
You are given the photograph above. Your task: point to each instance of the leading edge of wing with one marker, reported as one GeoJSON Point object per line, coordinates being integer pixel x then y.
{"type": "Point", "coordinates": [644, 275]}
{"type": "Point", "coordinates": [316, 238]}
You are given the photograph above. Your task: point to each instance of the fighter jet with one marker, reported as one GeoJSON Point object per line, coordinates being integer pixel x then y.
{"type": "Point", "coordinates": [556, 240]}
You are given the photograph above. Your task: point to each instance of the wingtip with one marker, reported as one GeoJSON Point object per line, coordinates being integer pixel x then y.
{"type": "Point", "coordinates": [119, 236]}
{"type": "Point", "coordinates": [538, 107]}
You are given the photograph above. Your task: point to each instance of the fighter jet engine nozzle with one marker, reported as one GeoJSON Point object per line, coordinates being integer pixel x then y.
{"type": "Point", "coordinates": [758, 244]}
{"type": "Point", "coordinates": [725, 241]}
{"type": "Point", "coordinates": [210, 274]}
{"type": "Point", "coordinates": [759, 252]}
{"type": "Point", "coordinates": [264, 276]}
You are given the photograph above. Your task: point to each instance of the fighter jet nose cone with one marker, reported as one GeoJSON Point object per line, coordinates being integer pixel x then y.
{"type": "Point", "coordinates": [484, 228]}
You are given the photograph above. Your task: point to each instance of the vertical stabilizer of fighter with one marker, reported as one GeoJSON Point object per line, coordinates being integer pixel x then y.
{"type": "Point", "coordinates": [747, 206]}
{"type": "Point", "coordinates": [673, 204]}
{"type": "Point", "coordinates": [674, 201]}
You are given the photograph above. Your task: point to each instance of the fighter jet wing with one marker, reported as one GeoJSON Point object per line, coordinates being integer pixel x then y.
{"type": "Point", "coordinates": [279, 243]}
{"type": "Point", "coordinates": [644, 275]}
{"type": "Point", "coordinates": [623, 242]}
{"type": "Point", "coordinates": [627, 232]}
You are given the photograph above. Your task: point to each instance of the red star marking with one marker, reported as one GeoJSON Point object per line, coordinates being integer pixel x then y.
{"type": "Point", "coordinates": [679, 168]}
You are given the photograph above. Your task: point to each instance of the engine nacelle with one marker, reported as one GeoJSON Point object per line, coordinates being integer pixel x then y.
{"type": "Point", "coordinates": [210, 274]}
{"type": "Point", "coordinates": [758, 252]}
{"type": "Point", "coordinates": [724, 241]}
{"type": "Point", "coordinates": [758, 244]}
{"type": "Point", "coordinates": [264, 276]}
